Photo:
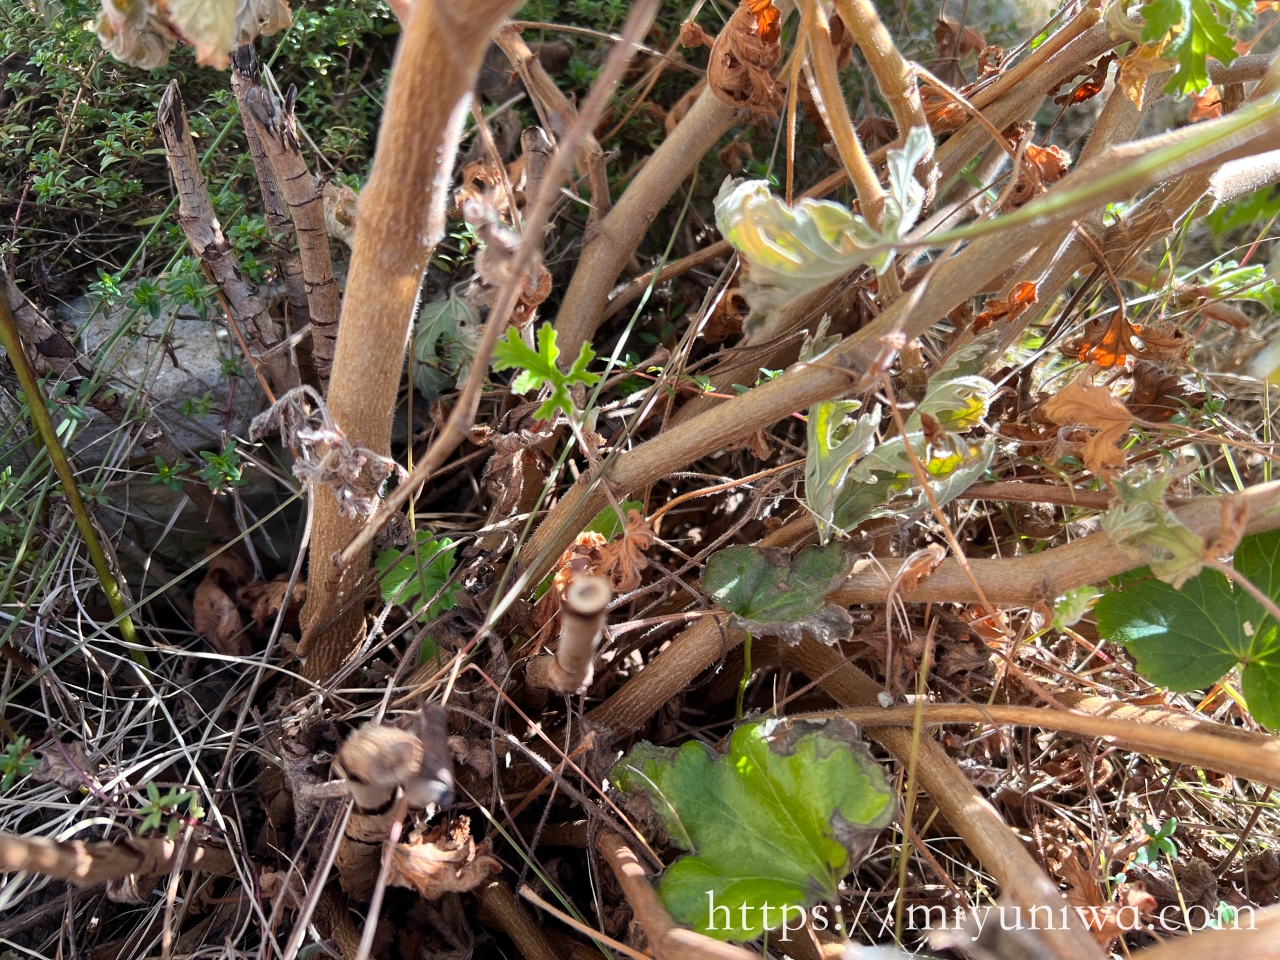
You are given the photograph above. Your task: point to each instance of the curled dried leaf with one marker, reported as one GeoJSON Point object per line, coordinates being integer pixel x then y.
{"type": "Point", "coordinates": [942, 111]}
{"type": "Point", "coordinates": [1134, 69]}
{"type": "Point", "coordinates": [1022, 296]}
{"type": "Point", "coordinates": [1110, 343]}
{"type": "Point", "coordinates": [1090, 86]}
{"type": "Point", "coordinates": [917, 568]}
{"type": "Point", "coordinates": [743, 57]}
{"type": "Point", "coordinates": [341, 205]}
{"type": "Point", "coordinates": [692, 35]}
{"type": "Point", "coordinates": [1094, 407]}
{"type": "Point", "coordinates": [264, 598]}
{"type": "Point", "coordinates": [1206, 105]}
{"type": "Point", "coordinates": [217, 619]}
{"type": "Point", "coordinates": [445, 860]}
{"type": "Point", "coordinates": [623, 560]}
{"type": "Point", "coordinates": [1156, 395]}
{"type": "Point", "coordinates": [969, 40]}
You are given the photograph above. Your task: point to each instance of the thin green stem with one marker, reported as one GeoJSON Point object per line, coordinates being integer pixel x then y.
{"type": "Point", "coordinates": [746, 671]}
{"type": "Point", "coordinates": [43, 424]}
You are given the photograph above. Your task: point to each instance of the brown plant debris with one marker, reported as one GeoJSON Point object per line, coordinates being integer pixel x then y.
{"type": "Point", "coordinates": [744, 56]}
{"type": "Point", "coordinates": [944, 35]}
{"type": "Point", "coordinates": [1094, 407]}
{"type": "Point", "coordinates": [1020, 298]}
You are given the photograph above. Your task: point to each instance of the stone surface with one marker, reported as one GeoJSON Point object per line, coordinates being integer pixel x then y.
{"type": "Point", "coordinates": [172, 358]}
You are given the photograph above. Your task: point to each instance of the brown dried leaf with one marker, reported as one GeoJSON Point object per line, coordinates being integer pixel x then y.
{"type": "Point", "coordinates": [1167, 344]}
{"type": "Point", "coordinates": [1022, 296]}
{"type": "Point", "coordinates": [441, 863]}
{"type": "Point", "coordinates": [692, 35]}
{"type": "Point", "coordinates": [1095, 407]}
{"type": "Point", "coordinates": [944, 35]}
{"type": "Point", "coordinates": [918, 567]}
{"type": "Point", "coordinates": [841, 43]}
{"type": "Point", "coordinates": [875, 132]}
{"type": "Point", "coordinates": [941, 112]}
{"type": "Point", "coordinates": [726, 319]}
{"type": "Point", "coordinates": [1108, 343]}
{"type": "Point", "coordinates": [1106, 921]}
{"type": "Point", "coordinates": [286, 887]}
{"type": "Point", "coordinates": [1090, 86]}
{"type": "Point", "coordinates": [1050, 162]}
{"type": "Point", "coordinates": [341, 206]}
{"type": "Point", "coordinates": [263, 598]}
{"type": "Point", "coordinates": [623, 560]}
{"type": "Point", "coordinates": [1156, 395]}
{"type": "Point", "coordinates": [735, 153]}
{"type": "Point", "coordinates": [990, 62]}
{"type": "Point", "coordinates": [743, 57]}
{"type": "Point", "coordinates": [217, 619]}
{"type": "Point", "coordinates": [1206, 105]}
{"type": "Point", "coordinates": [581, 556]}
{"type": "Point", "coordinates": [1131, 76]}
{"type": "Point", "coordinates": [65, 764]}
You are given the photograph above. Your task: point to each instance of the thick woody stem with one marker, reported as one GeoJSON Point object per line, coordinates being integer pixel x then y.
{"type": "Point", "coordinates": [1158, 733]}
{"type": "Point", "coordinates": [892, 73]}
{"type": "Point", "coordinates": [829, 99]}
{"type": "Point", "coordinates": [951, 282]}
{"type": "Point", "coordinates": [376, 762]}
{"type": "Point", "coordinates": [245, 75]}
{"type": "Point", "coordinates": [277, 132]}
{"type": "Point", "coordinates": [204, 233]}
{"type": "Point", "coordinates": [1023, 581]}
{"type": "Point", "coordinates": [615, 237]}
{"type": "Point", "coordinates": [498, 906]}
{"type": "Point", "coordinates": [430, 92]}
{"type": "Point", "coordinates": [582, 614]}
{"type": "Point", "coordinates": [89, 863]}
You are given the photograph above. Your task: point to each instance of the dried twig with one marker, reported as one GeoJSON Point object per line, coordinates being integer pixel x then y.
{"type": "Point", "coordinates": [276, 130]}
{"type": "Point", "coordinates": [89, 863]}
{"type": "Point", "coordinates": [204, 233]}
{"type": "Point", "coordinates": [581, 626]}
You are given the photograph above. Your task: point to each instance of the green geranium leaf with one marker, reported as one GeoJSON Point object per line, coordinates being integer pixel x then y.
{"type": "Point", "coordinates": [772, 593]}
{"type": "Point", "coordinates": [781, 820]}
{"type": "Point", "coordinates": [432, 564]}
{"type": "Point", "coordinates": [539, 369]}
{"type": "Point", "coordinates": [1190, 31]}
{"type": "Point", "coordinates": [445, 336]}
{"type": "Point", "coordinates": [1187, 638]}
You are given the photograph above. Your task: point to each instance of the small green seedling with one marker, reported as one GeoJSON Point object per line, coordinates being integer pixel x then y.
{"type": "Point", "coordinates": [16, 762]}
{"type": "Point", "coordinates": [166, 810]}
{"type": "Point", "coordinates": [222, 470]}
{"type": "Point", "coordinates": [1159, 842]}
{"type": "Point", "coordinates": [539, 369]}
{"type": "Point", "coordinates": [171, 477]}
{"type": "Point", "coordinates": [432, 562]}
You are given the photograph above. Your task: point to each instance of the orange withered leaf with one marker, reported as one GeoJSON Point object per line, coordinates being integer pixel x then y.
{"type": "Point", "coordinates": [1020, 297]}
{"type": "Point", "coordinates": [768, 20]}
{"type": "Point", "coordinates": [1206, 105]}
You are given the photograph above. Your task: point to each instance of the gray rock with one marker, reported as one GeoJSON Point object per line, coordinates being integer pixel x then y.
{"type": "Point", "coordinates": [173, 358]}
